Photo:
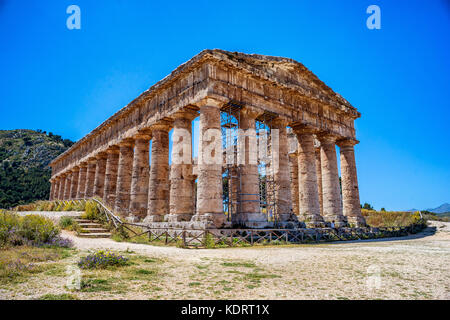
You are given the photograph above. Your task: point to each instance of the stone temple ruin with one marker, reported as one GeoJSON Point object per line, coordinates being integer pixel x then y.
{"type": "Point", "coordinates": [268, 131]}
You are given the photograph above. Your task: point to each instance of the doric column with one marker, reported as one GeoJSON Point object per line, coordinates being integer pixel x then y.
{"type": "Point", "coordinates": [319, 174]}
{"type": "Point", "coordinates": [250, 215]}
{"type": "Point", "coordinates": [140, 177]}
{"type": "Point", "coordinates": [293, 167]}
{"type": "Point", "coordinates": [58, 190]}
{"type": "Point", "coordinates": [62, 186]}
{"type": "Point", "coordinates": [90, 177]}
{"type": "Point", "coordinates": [281, 174]}
{"type": "Point", "coordinates": [309, 207]}
{"type": "Point", "coordinates": [55, 189]}
{"type": "Point", "coordinates": [81, 180]}
{"type": "Point", "coordinates": [52, 189]}
{"type": "Point", "coordinates": [181, 186]}
{"type": "Point", "coordinates": [124, 177]}
{"type": "Point", "coordinates": [67, 185]}
{"type": "Point", "coordinates": [62, 182]}
{"type": "Point", "coordinates": [112, 163]}
{"type": "Point", "coordinates": [158, 189]}
{"type": "Point", "coordinates": [332, 209]}
{"type": "Point", "coordinates": [74, 182]}
{"type": "Point", "coordinates": [209, 182]}
{"type": "Point", "coordinates": [99, 180]}
{"type": "Point", "coordinates": [349, 180]}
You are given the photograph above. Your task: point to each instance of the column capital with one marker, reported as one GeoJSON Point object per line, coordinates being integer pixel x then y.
{"type": "Point", "coordinates": [113, 150]}
{"type": "Point", "coordinates": [162, 125]}
{"type": "Point", "coordinates": [324, 137]}
{"type": "Point", "coordinates": [185, 113]}
{"type": "Point", "coordinates": [348, 142]}
{"type": "Point", "coordinates": [75, 169]}
{"type": "Point", "coordinates": [83, 165]}
{"type": "Point", "coordinates": [143, 134]}
{"type": "Point", "coordinates": [128, 142]}
{"type": "Point", "coordinates": [279, 122]}
{"type": "Point", "coordinates": [92, 160]}
{"type": "Point", "coordinates": [101, 155]}
{"type": "Point", "coordinates": [250, 112]}
{"type": "Point", "coordinates": [304, 129]}
{"type": "Point", "coordinates": [209, 102]}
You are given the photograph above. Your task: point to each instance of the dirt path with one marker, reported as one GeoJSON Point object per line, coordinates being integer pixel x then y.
{"type": "Point", "coordinates": [414, 267]}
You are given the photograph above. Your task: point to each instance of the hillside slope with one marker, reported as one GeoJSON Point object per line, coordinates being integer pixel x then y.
{"type": "Point", "coordinates": [24, 159]}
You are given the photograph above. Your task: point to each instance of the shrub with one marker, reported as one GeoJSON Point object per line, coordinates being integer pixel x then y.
{"type": "Point", "coordinates": [102, 259]}
{"type": "Point", "coordinates": [31, 229]}
{"type": "Point", "coordinates": [390, 218]}
{"type": "Point", "coordinates": [58, 242]}
{"type": "Point", "coordinates": [68, 206]}
{"type": "Point", "coordinates": [79, 206]}
{"type": "Point", "coordinates": [91, 211]}
{"type": "Point", "coordinates": [66, 223]}
{"type": "Point", "coordinates": [59, 206]}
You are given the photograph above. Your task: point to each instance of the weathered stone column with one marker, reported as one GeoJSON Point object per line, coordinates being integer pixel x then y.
{"type": "Point", "coordinates": [112, 163]}
{"type": "Point", "coordinates": [81, 180]}
{"type": "Point", "coordinates": [293, 167]}
{"type": "Point", "coordinates": [349, 180]}
{"type": "Point", "coordinates": [309, 206]}
{"type": "Point", "coordinates": [52, 189]}
{"type": "Point", "coordinates": [250, 215]}
{"type": "Point", "coordinates": [140, 177]}
{"type": "Point", "coordinates": [90, 177]}
{"type": "Point", "coordinates": [181, 187]}
{"type": "Point", "coordinates": [319, 174]}
{"type": "Point", "coordinates": [124, 177]}
{"type": "Point", "coordinates": [62, 186]}
{"type": "Point", "coordinates": [281, 172]}
{"type": "Point", "coordinates": [74, 183]}
{"type": "Point", "coordinates": [158, 188]}
{"type": "Point", "coordinates": [332, 209]}
{"type": "Point", "coordinates": [67, 186]}
{"type": "Point", "coordinates": [55, 189]}
{"type": "Point", "coordinates": [210, 159]}
{"type": "Point", "coordinates": [99, 180]}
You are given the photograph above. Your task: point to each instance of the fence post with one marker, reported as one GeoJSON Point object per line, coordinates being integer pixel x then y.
{"type": "Point", "coordinates": [184, 237]}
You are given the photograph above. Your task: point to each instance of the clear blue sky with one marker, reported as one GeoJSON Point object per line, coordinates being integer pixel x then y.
{"type": "Point", "coordinates": [69, 81]}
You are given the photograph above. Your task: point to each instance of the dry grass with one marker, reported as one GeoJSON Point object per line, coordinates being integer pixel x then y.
{"type": "Point", "coordinates": [414, 268]}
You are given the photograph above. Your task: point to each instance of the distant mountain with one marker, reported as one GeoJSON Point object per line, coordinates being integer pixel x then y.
{"type": "Point", "coordinates": [442, 209]}
{"type": "Point", "coordinates": [24, 159]}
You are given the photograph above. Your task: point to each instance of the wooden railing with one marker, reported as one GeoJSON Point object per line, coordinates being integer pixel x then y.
{"type": "Point", "coordinates": [237, 237]}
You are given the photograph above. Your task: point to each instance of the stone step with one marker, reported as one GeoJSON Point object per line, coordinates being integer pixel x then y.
{"type": "Point", "coordinates": [94, 230]}
{"type": "Point", "coordinates": [95, 235]}
{"type": "Point", "coordinates": [83, 221]}
{"type": "Point", "coordinates": [90, 225]}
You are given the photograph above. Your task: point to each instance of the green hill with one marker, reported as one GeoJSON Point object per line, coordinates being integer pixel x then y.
{"type": "Point", "coordinates": [24, 159]}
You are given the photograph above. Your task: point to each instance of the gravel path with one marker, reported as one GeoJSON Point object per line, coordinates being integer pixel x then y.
{"type": "Point", "coordinates": [426, 242]}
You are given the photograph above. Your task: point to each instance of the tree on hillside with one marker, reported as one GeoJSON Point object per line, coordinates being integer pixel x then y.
{"type": "Point", "coordinates": [367, 206]}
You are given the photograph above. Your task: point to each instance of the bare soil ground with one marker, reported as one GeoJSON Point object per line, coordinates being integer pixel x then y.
{"type": "Point", "coordinates": [414, 267]}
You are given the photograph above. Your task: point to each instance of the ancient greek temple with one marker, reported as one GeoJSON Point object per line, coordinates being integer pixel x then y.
{"type": "Point", "coordinates": [265, 157]}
